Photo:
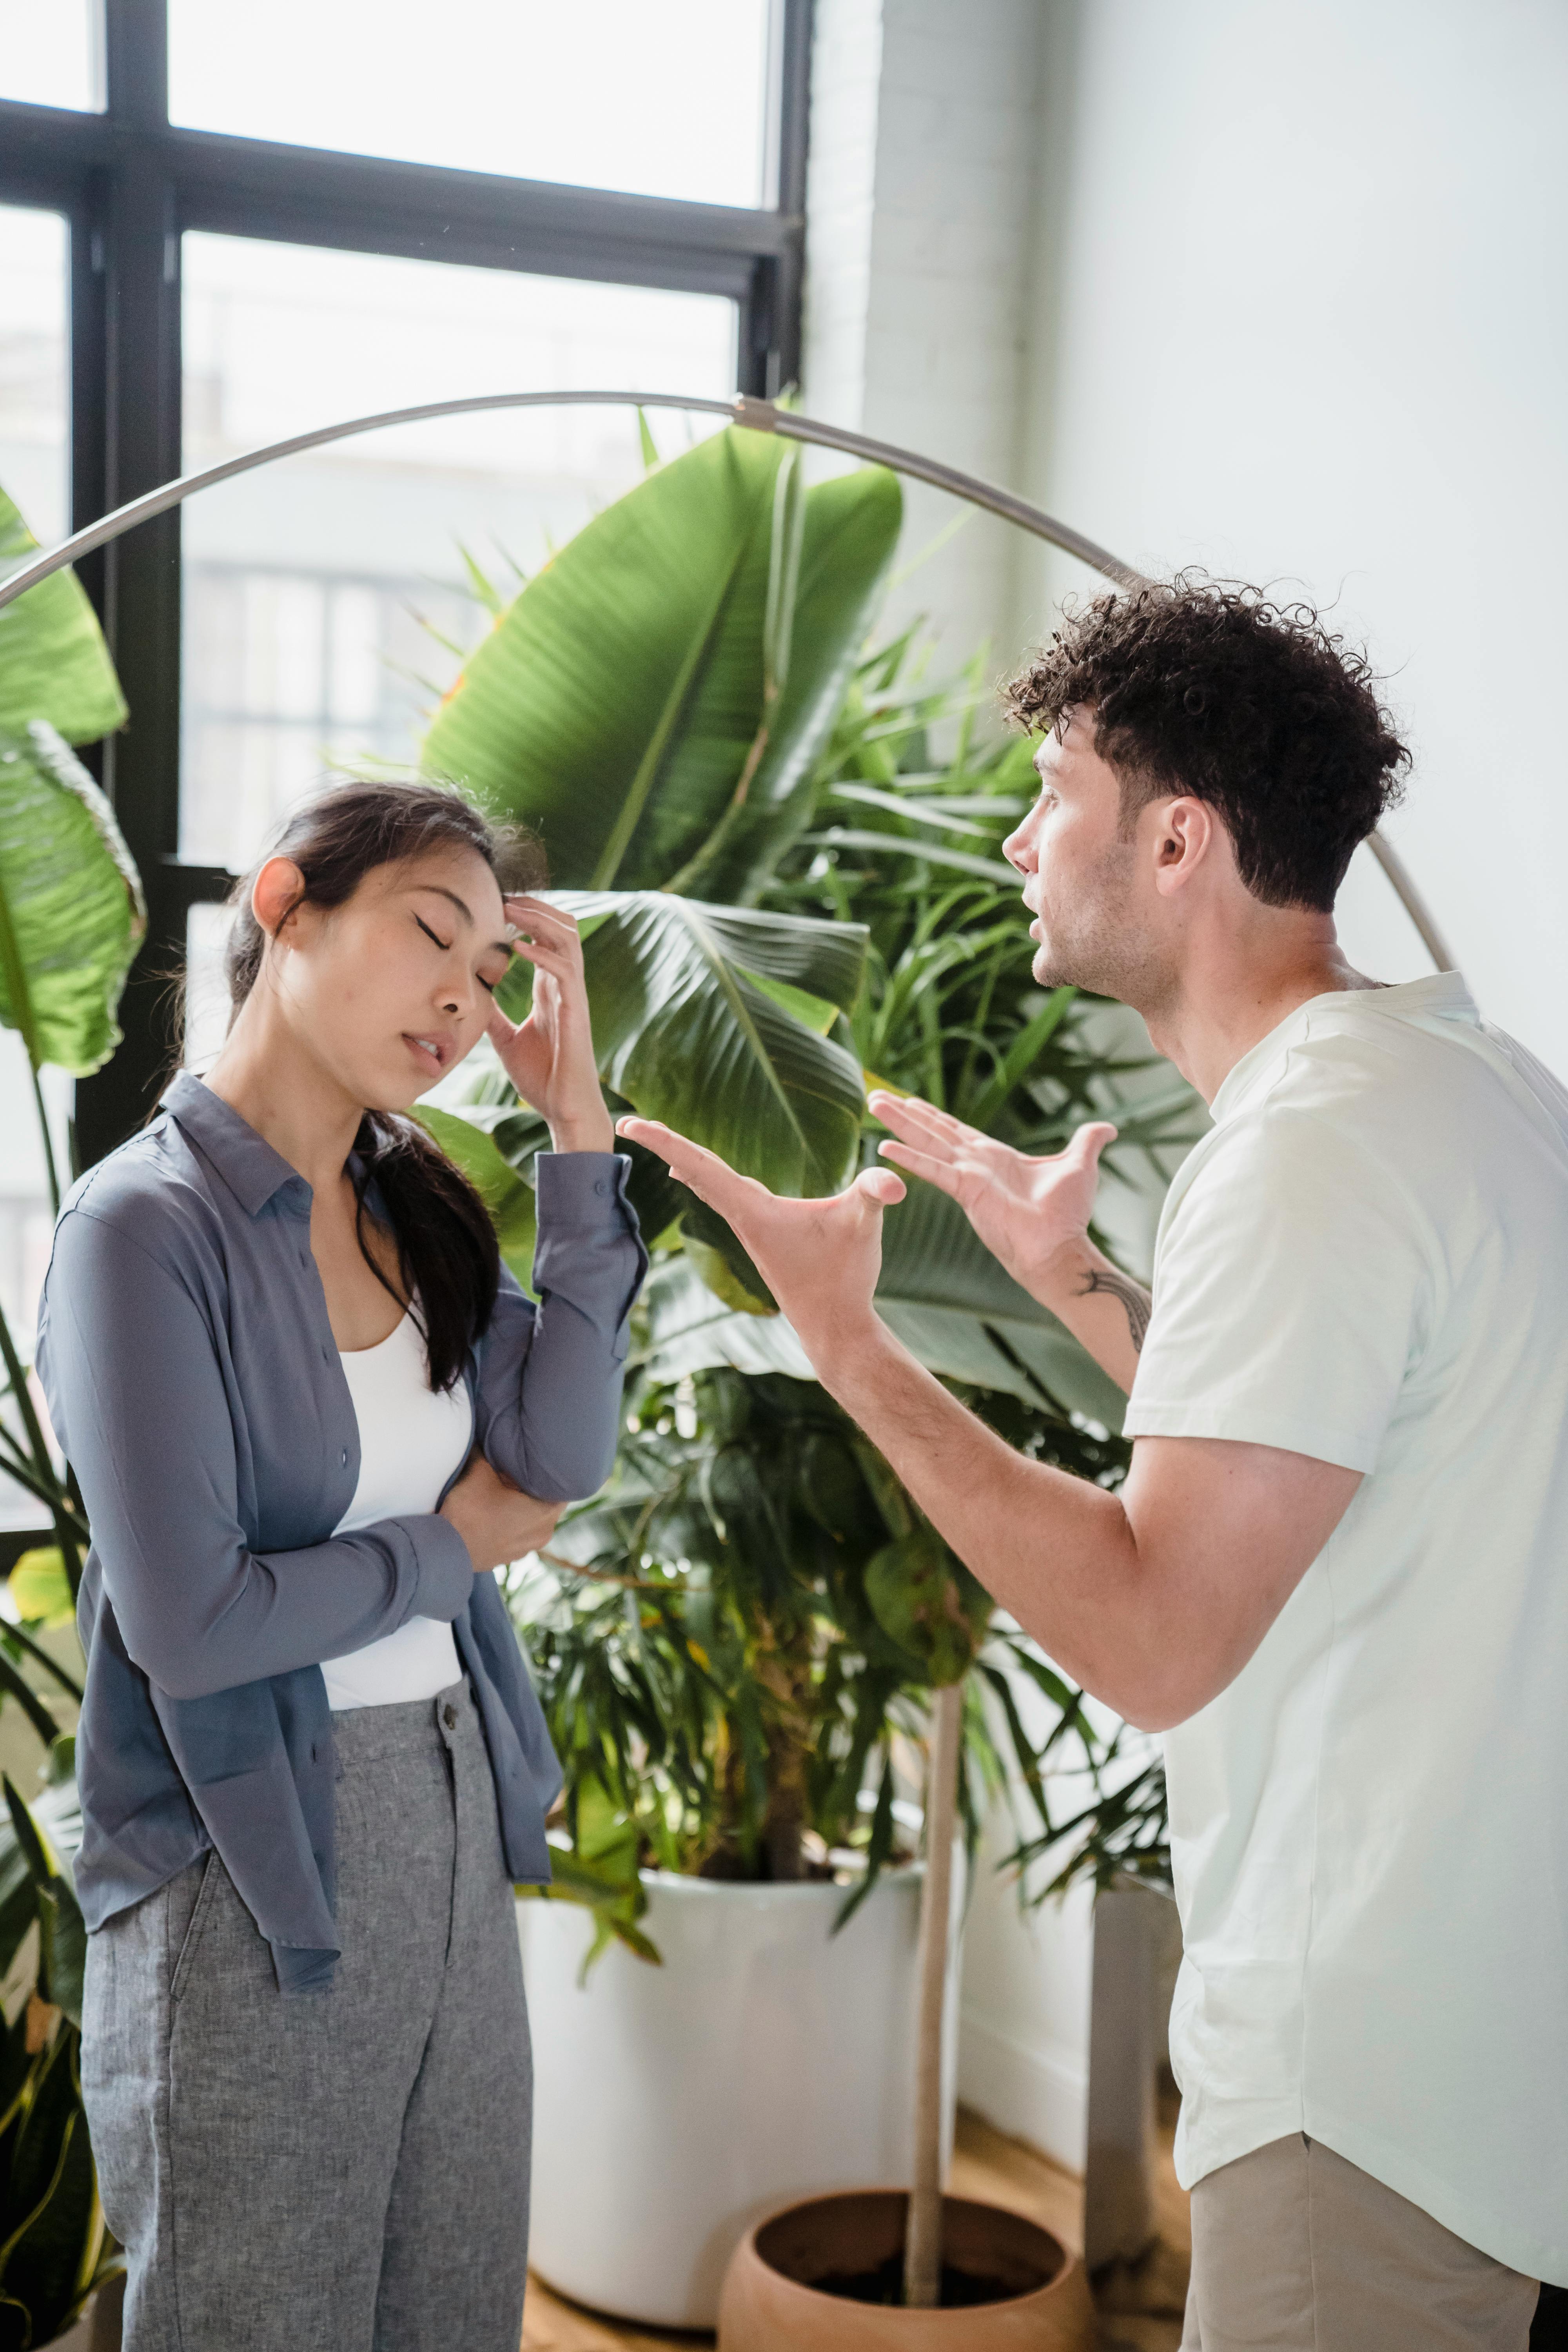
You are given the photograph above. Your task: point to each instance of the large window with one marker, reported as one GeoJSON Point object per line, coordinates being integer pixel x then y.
{"type": "Point", "coordinates": [661, 100]}
{"type": "Point", "coordinates": [219, 225]}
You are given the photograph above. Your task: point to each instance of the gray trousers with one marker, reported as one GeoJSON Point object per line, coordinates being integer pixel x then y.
{"type": "Point", "coordinates": [344, 2171]}
{"type": "Point", "coordinates": [1294, 2250]}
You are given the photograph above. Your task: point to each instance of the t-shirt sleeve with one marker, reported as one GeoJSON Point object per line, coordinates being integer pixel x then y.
{"type": "Point", "coordinates": [1292, 1297]}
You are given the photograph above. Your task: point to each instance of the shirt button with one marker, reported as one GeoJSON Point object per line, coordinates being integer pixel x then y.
{"type": "Point", "coordinates": [449, 1717]}
{"type": "Point", "coordinates": [601, 1184]}
{"type": "Point", "coordinates": [343, 1458]}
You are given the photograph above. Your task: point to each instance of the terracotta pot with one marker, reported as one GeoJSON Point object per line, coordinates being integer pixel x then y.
{"type": "Point", "coordinates": [770, 2302]}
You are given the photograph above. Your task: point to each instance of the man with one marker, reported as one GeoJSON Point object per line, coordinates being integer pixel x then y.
{"type": "Point", "coordinates": [1337, 1574]}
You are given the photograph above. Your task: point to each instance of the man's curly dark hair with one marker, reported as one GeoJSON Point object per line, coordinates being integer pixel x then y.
{"type": "Point", "coordinates": [1205, 686]}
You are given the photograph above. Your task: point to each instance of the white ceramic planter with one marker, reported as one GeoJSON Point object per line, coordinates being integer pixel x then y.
{"type": "Point", "coordinates": [766, 2060]}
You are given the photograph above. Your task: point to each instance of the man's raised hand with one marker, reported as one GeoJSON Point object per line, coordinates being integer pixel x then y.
{"type": "Point", "coordinates": [819, 1258]}
{"type": "Point", "coordinates": [1031, 1213]}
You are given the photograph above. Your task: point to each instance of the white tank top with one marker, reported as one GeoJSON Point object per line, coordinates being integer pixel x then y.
{"type": "Point", "coordinates": [410, 1443]}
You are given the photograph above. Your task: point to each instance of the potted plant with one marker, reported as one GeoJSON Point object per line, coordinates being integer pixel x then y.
{"type": "Point", "coordinates": [70, 919]}
{"type": "Point", "coordinates": [741, 1639]}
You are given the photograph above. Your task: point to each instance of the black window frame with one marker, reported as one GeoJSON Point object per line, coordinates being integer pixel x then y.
{"type": "Point", "coordinates": [130, 183]}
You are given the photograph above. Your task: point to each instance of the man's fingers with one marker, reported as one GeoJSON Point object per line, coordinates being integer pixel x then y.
{"type": "Point", "coordinates": [940, 1172]}
{"type": "Point", "coordinates": [711, 1178]}
{"type": "Point", "coordinates": [916, 1120]}
{"type": "Point", "coordinates": [1085, 1146]}
{"type": "Point", "coordinates": [881, 1186]}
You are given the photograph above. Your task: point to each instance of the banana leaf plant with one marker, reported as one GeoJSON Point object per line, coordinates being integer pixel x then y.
{"type": "Point", "coordinates": [785, 890]}
{"type": "Point", "coordinates": [71, 917]}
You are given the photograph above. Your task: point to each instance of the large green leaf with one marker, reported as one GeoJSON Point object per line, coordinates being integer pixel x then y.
{"type": "Point", "coordinates": [71, 915]}
{"type": "Point", "coordinates": [57, 2223]}
{"type": "Point", "coordinates": [54, 664]}
{"type": "Point", "coordinates": [949, 1301]}
{"type": "Point", "coordinates": [849, 530]}
{"type": "Point", "coordinates": [465, 1138]}
{"type": "Point", "coordinates": [696, 1021]}
{"type": "Point", "coordinates": [674, 669]}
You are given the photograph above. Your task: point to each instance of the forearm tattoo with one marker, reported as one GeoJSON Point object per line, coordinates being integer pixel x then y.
{"type": "Point", "coordinates": [1135, 1299]}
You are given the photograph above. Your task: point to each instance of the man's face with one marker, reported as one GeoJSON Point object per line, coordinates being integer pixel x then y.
{"type": "Point", "coordinates": [1081, 873]}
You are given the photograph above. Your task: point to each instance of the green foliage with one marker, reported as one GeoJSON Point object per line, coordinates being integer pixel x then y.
{"type": "Point", "coordinates": [54, 2249]}
{"type": "Point", "coordinates": [71, 916]}
{"type": "Point", "coordinates": [738, 1641]}
{"type": "Point", "coordinates": [652, 701]}
{"type": "Point", "coordinates": [54, 664]}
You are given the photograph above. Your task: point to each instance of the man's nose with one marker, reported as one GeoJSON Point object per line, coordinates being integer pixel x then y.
{"type": "Point", "coordinates": [1018, 849]}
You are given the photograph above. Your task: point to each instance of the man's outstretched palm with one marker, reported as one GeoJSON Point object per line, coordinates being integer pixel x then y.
{"type": "Point", "coordinates": [819, 1258]}
{"type": "Point", "coordinates": [1025, 1211]}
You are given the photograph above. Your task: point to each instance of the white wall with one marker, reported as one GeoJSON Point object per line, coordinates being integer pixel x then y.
{"type": "Point", "coordinates": [1300, 313]}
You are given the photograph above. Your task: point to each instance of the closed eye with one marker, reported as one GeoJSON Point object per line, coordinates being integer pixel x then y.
{"type": "Point", "coordinates": [445, 945]}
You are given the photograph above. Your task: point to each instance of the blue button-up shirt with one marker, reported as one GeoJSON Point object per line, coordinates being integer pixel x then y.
{"type": "Point", "coordinates": [193, 1381]}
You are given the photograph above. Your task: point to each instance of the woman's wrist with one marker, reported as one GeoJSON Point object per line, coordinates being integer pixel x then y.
{"type": "Point", "coordinates": [588, 1131]}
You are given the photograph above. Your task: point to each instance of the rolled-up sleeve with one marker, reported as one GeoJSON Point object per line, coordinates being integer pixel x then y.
{"type": "Point", "coordinates": [549, 1378]}
{"type": "Point", "coordinates": [130, 1368]}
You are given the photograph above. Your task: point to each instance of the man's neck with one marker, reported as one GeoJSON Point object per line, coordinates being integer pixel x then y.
{"type": "Point", "coordinates": [1232, 992]}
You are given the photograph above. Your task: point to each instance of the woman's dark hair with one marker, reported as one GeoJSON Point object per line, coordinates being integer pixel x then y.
{"type": "Point", "coordinates": [1207, 687]}
{"type": "Point", "coordinates": [446, 1243]}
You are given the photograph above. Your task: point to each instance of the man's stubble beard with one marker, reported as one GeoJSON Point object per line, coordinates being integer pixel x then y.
{"type": "Point", "coordinates": [1094, 943]}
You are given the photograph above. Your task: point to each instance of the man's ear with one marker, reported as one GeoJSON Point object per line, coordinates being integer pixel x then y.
{"type": "Point", "coordinates": [1183, 841]}
{"type": "Point", "coordinates": [275, 895]}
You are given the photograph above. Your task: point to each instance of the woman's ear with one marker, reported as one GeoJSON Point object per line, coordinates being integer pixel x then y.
{"type": "Point", "coordinates": [275, 895]}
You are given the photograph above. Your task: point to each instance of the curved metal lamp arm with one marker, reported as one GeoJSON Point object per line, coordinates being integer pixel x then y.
{"type": "Point", "coordinates": [756, 416]}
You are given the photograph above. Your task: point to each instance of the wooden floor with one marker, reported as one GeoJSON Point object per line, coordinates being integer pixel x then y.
{"type": "Point", "coordinates": [1141, 2308]}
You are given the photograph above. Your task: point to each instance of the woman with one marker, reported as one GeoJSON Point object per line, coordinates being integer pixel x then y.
{"type": "Point", "coordinates": [310, 1411]}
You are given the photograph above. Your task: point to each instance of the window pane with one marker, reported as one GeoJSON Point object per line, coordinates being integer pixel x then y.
{"type": "Point", "coordinates": [33, 261]}
{"type": "Point", "coordinates": [326, 598]}
{"type": "Point", "coordinates": [663, 98]}
{"type": "Point", "coordinates": [51, 53]}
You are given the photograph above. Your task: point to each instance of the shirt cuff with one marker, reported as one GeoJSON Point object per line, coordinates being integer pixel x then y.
{"type": "Point", "coordinates": [581, 1188]}
{"type": "Point", "coordinates": [446, 1582]}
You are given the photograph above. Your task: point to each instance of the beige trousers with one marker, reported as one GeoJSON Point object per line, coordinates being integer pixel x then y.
{"type": "Point", "coordinates": [1296, 2251]}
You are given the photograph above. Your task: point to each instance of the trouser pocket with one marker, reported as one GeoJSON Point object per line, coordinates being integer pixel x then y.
{"type": "Point", "coordinates": [211, 1870]}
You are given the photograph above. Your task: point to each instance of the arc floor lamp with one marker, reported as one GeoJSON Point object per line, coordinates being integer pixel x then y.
{"type": "Point", "coordinates": [754, 416]}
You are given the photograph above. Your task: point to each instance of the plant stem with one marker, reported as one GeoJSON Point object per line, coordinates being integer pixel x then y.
{"type": "Point", "coordinates": [49, 1168]}
{"type": "Point", "coordinates": [922, 2238]}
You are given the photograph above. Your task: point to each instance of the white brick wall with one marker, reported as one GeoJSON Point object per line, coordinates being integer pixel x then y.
{"type": "Point", "coordinates": [919, 215]}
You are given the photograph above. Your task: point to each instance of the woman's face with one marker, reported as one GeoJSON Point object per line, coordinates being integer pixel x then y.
{"type": "Point", "coordinates": [390, 990]}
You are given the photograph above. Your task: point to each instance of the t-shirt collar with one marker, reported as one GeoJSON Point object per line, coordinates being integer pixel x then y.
{"type": "Point", "coordinates": [245, 1160]}
{"type": "Point", "coordinates": [1442, 995]}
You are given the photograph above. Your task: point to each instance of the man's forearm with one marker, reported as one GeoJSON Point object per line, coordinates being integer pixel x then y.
{"type": "Point", "coordinates": [1057, 1551]}
{"type": "Point", "coordinates": [1106, 1311]}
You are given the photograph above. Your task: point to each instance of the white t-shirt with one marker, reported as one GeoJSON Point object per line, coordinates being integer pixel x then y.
{"type": "Point", "coordinates": [1367, 1262]}
{"type": "Point", "coordinates": [410, 1443]}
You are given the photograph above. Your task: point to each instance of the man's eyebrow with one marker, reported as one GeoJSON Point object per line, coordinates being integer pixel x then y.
{"type": "Point", "coordinates": [499, 947]}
